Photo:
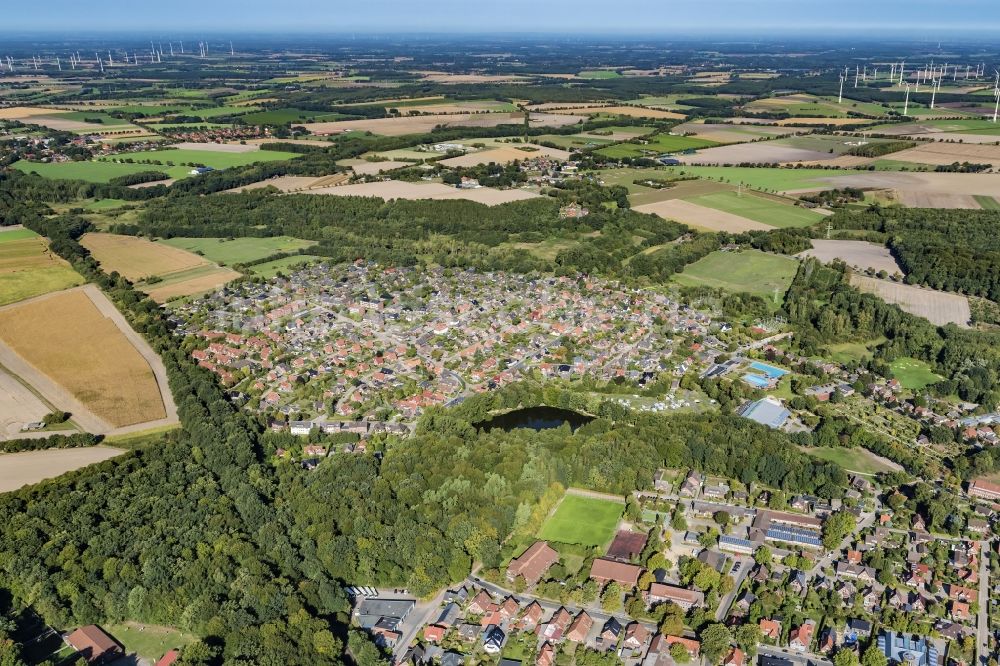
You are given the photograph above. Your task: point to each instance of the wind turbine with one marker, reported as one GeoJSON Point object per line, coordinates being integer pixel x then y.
{"type": "Point", "coordinates": [996, 107]}
{"type": "Point", "coordinates": [171, 45]}
{"type": "Point", "coordinates": [231, 52]}
{"type": "Point", "coordinates": [906, 103]}
{"type": "Point", "coordinates": [934, 89]}
{"type": "Point", "coordinates": [856, 70]}
{"type": "Point", "coordinates": [902, 68]}
{"type": "Point", "coordinates": [182, 47]}
{"type": "Point", "coordinates": [840, 95]}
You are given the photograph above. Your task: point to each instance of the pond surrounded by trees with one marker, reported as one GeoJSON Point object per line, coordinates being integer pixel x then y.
{"type": "Point", "coordinates": [536, 418]}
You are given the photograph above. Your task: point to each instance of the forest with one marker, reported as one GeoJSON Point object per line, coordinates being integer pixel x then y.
{"type": "Point", "coordinates": [951, 250]}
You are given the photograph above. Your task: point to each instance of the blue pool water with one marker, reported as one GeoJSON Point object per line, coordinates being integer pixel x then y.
{"type": "Point", "coordinates": [768, 370]}
{"type": "Point", "coordinates": [759, 381]}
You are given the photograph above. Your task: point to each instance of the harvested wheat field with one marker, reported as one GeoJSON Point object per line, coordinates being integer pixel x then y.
{"type": "Point", "coordinates": [29, 467]}
{"type": "Point", "coordinates": [18, 406]}
{"type": "Point", "coordinates": [822, 121]}
{"type": "Point", "coordinates": [939, 153]}
{"type": "Point", "coordinates": [762, 152]}
{"type": "Point", "coordinates": [137, 258]}
{"type": "Point", "coordinates": [630, 111]}
{"type": "Point", "coordinates": [366, 168]}
{"type": "Point", "coordinates": [938, 307]}
{"type": "Point", "coordinates": [295, 183]}
{"type": "Point", "coordinates": [925, 181]}
{"type": "Point", "coordinates": [176, 272]}
{"type": "Point", "coordinates": [859, 254]}
{"type": "Point", "coordinates": [68, 339]}
{"type": "Point", "coordinates": [24, 112]}
{"type": "Point", "coordinates": [503, 155]}
{"type": "Point", "coordinates": [218, 147]}
{"type": "Point", "coordinates": [422, 124]}
{"type": "Point", "coordinates": [922, 199]}
{"type": "Point", "coordinates": [397, 189]}
{"type": "Point", "coordinates": [701, 217]}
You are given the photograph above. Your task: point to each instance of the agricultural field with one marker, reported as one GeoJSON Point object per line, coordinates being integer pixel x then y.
{"type": "Point", "coordinates": [227, 252]}
{"type": "Point", "coordinates": [599, 74]}
{"type": "Point", "coordinates": [422, 124]}
{"type": "Point", "coordinates": [938, 307]}
{"type": "Point", "coordinates": [759, 208]}
{"type": "Point", "coordinates": [759, 273]}
{"type": "Point", "coordinates": [93, 171]}
{"type": "Point", "coordinates": [940, 153]}
{"type": "Point", "coordinates": [18, 470]}
{"type": "Point", "coordinates": [913, 374]}
{"type": "Point", "coordinates": [657, 144]}
{"type": "Point", "coordinates": [397, 189]}
{"type": "Point", "coordinates": [19, 406]}
{"type": "Point", "coordinates": [160, 270]}
{"type": "Point", "coordinates": [582, 520]}
{"type": "Point", "coordinates": [504, 154]}
{"type": "Point", "coordinates": [732, 133]}
{"type": "Point", "coordinates": [68, 339]}
{"type": "Point", "coordinates": [700, 217]}
{"type": "Point", "coordinates": [858, 254]}
{"type": "Point", "coordinates": [217, 159]}
{"type": "Point", "coordinates": [28, 268]}
{"type": "Point", "coordinates": [777, 179]}
{"type": "Point", "coordinates": [812, 105]}
{"type": "Point", "coordinates": [284, 116]}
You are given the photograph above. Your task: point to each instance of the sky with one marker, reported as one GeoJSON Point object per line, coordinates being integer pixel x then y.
{"type": "Point", "coordinates": [924, 19]}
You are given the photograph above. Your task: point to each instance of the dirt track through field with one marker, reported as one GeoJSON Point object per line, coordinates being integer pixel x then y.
{"type": "Point", "coordinates": [27, 468]}
{"type": "Point", "coordinates": [701, 216]}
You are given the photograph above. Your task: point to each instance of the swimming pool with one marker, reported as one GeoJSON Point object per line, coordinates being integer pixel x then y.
{"type": "Point", "coordinates": [768, 370]}
{"type": "Point", "coordinates": [758, 381]}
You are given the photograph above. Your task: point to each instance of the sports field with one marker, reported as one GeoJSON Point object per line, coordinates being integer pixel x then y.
{"type": "Point", "coordinates": [583, 520]}
{"type": "Point", "coordinates": [913, 374]}
{"type": "Point", "coordinates": [750, 270]}
{"type": "Point", "coordinates": [149, 642]}
{"type": "Point", "coordinates": [237, 250]}
{"type": "Point", "coordinates": [66, 337]}
{"type": "Point", "coordinates": [28, 268]}
{"type": "Point", "coordinates": [759, 209]}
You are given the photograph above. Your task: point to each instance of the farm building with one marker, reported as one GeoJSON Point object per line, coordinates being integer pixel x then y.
{"type": "Point", "coordinates": [94, 645]}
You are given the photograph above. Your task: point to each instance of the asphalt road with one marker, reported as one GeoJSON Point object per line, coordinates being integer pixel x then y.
{"type": "Point", "coordinates": [982, 625]}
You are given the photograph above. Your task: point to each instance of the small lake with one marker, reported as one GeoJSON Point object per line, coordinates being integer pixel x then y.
{"type": "Point", "coordinates": [536, 418]}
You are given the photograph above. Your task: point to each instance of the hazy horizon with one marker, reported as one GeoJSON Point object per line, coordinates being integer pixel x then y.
{"type": "Point", "coordinates": [916, 20]}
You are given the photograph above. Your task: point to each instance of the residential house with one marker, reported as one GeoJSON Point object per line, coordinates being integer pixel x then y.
{"type": "Point", "coordinates": [579, 628]}
{"type": "Point", "coordinates": [801, 637]}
